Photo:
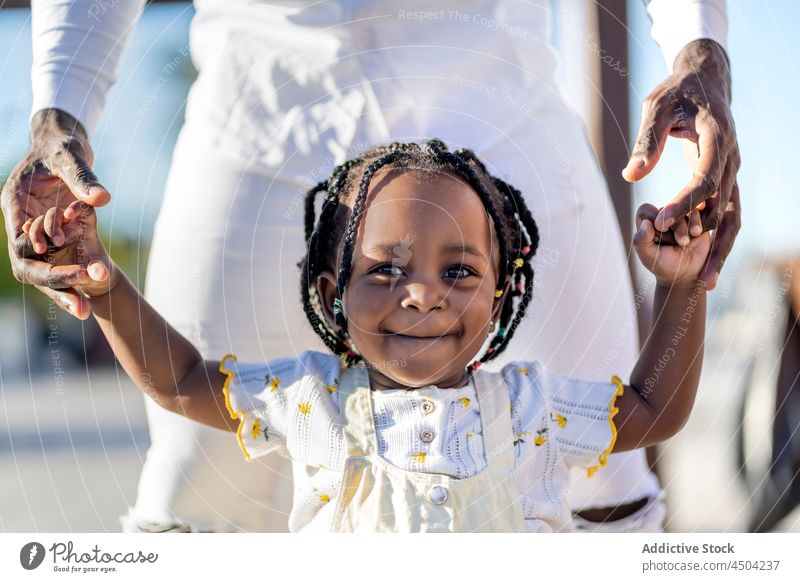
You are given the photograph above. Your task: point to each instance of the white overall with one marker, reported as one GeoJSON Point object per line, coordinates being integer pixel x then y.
{"type": "Point", "coordinates": [376, 496]}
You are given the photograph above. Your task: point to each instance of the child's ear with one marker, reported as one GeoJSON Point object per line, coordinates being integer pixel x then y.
{"type": "Point", "coordinates": [326, 289]}
{"type": "Point", "coordinates": [499, 302]}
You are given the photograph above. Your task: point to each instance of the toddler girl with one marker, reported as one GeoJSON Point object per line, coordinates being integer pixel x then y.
{"type": "Point", "coordinates": [417, 271]}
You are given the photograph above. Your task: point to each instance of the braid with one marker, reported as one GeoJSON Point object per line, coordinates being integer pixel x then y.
{"type": "Point", "coordinates": [516, 231]}
{"type": "Point", "coordinates": [464, 167]}
{"type": "Point", "coordinates": [311, 301]}
{"type": "Point", "coordinates": [352, 227]}
{"type": "Point", "coordinates": [309, 207]}
{"type": "Point", "coordinates": [523, 276]}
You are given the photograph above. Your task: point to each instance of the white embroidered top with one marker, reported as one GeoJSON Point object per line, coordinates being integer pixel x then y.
{"type": "Point", "coordinates": [290, 405]}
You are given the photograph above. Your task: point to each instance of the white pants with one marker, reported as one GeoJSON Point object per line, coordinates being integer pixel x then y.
{"type": "Point", "coordinates": [582, 319]}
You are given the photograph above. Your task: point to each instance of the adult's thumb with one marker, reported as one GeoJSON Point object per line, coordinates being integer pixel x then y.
{"type": "Point", "coordinates": [83, 183]}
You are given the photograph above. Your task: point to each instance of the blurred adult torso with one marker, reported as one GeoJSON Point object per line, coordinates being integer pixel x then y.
{"type": "Point", "coordinates": [284, 82]}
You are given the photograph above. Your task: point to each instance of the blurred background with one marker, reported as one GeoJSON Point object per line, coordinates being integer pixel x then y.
{"type": "Point", "coordinates": [72, 427]}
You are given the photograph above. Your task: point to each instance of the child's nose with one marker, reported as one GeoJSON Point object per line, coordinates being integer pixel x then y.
{"type": "Point", "coordinates": [424, 297]}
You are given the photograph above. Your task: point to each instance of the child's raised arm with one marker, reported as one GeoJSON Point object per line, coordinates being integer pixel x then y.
{"type": "Point", "coordinates": [162, 362]}
{"type": "Point", "coordinates": [664, 381]}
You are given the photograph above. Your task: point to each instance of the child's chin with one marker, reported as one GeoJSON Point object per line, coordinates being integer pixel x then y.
{"type": "Point", "coordinates": [425, 376]}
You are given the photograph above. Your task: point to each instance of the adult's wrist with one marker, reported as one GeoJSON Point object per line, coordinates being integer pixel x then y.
{"type": "Point", "coordinates": [707, 60]}
{"type": "Point", "coordinates": [55, 130]}
{"type": "Point", "coordinates": [47, 123]}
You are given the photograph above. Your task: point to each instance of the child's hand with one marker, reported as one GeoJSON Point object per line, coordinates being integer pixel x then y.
{"type": "Point", "coordinates": [673, 266]}
{"type": "Point", "coordinates": [67, 239]}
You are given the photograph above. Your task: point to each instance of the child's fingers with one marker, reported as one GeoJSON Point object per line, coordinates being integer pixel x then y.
{"type": "Point", "coordinates": [645, 212]}
{"type": "Point", "coordinates": [53, 219]}
{"type": "Point", "coordinates": [681, 230]}
{"type": "Point", "coordinates": [695, 224]}
{"type": "Point", "coordinates": [27, 225]}
{"type": "Point", "coordinates": [645, 235]}
{"type": "Point", "coordinates": [73, 211]}
{"type": "Point", "coordinates": [37, 236]}
{"type": "Point", "coordinates": [644, 241]}
{"type": "Point", "coordinates": [97, 270]}
{"type": "Point", "coordinates": [78, 209]}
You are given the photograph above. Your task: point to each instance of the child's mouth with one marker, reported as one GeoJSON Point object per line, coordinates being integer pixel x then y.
{"type": "Point", "coordinates": [420, 337]}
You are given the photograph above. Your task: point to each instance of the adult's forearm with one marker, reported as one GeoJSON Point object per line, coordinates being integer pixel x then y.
{"type": "Point", "coordinates": [77, 48]}
{"type": "Point", "coordinates": [667, 373]}
{"type": "Point", "coordinates": [151, 352]}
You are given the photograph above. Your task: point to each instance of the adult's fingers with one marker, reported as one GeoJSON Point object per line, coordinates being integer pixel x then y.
{"type": "Point", "coordinates": [76, 173]}
{"type": "Point", "coordinates": [37, 272]}
{"type": "Point", "coordinates": [69, 300]}
{"type": "Point", "coordinates": [715, 209]}
{"type": "Point", "coordinates": [657, 113]}
{"type": "Point", "coordinates": [723, 240]}
{"type": "Point", "coordinates": [707, 176]}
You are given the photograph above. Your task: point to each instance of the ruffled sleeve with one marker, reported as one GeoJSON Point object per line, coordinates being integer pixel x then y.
{"type": "Point", "coordinates": [261, 397]}
{"type": "Point", "coordinates": [583, 416]}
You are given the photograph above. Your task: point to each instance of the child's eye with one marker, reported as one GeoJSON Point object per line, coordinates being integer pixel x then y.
{"type": "Point", "coordinates": [458, 272]}
{"type": "Point", "coordinates": [388, 269]}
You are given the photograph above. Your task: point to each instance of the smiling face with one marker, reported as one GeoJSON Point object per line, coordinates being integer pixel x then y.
{"type": "Point", "coordinates": [421, 292]}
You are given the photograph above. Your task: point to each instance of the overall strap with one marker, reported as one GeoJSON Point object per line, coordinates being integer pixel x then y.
{"type": "Point", "coordinates": [495, 411]}
{"type": "Point", "coordinates": [355, 409]}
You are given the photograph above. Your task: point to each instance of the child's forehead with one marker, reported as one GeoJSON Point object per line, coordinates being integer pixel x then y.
{"type": "Point", "coordinates": [422, 206]}
{"type": "Point", "coordinates": [432, 187]}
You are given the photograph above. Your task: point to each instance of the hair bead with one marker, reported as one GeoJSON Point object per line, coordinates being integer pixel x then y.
{"type": "Point", "coordinates": [337, 306]}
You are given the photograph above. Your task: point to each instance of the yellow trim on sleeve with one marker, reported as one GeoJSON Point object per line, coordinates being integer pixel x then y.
{"type": "Point", "coordinates": [234, 415]}
{"type": "Point", "coordinates": [612, 412]}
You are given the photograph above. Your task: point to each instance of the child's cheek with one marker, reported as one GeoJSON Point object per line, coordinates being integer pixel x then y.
{"type": "Point", "coordinates": [368, 305]}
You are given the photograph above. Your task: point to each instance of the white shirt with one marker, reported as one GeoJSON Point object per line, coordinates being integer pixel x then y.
{"type": "Point", "coordinates": [383, 55]}
{"type": "Point", "coordinates": [291, 405]}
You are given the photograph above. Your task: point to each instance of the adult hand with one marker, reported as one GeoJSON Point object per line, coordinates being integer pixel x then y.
{"type": "Point", "coordinates": [56, 171]}
{"type": "Point", "coordinates": [693, 103]}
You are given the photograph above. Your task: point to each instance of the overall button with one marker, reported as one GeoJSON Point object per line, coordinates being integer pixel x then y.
{"type": "Point", "coordinates": [427, 406]}
{"type": "Point", "coordinates": [438, 494]}
{"type": "Point", "coordinates": [426, 436]}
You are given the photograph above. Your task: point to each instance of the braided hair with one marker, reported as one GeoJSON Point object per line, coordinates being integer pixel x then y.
{"type": "Point", "coordinates": [345, 194]}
